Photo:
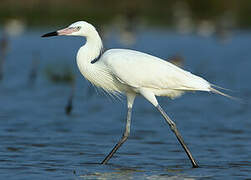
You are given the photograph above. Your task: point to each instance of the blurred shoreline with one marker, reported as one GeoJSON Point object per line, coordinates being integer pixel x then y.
{"type": "Point", "coordinates": [38, 13]}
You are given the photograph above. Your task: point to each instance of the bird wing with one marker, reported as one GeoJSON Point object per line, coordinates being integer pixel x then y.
{"type": "Point", "coordinates": [138, 69]}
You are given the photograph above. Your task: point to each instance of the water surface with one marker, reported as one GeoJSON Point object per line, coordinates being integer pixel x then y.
{"type": "Point", "coordinates": [39, 141]}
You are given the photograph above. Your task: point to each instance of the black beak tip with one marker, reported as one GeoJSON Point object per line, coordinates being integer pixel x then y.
{"type": "Point", "coordinates": [50, 34]}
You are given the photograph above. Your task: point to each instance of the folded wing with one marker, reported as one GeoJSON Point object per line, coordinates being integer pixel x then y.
{"type": "Point", "coordinates": [138, 69]}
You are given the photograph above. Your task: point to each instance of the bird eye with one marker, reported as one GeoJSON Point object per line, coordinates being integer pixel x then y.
{"type": "Point", "coordinates": [79, 27]}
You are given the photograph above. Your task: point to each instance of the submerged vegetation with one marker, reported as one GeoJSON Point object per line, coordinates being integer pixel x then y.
{"type": "Point", "coordinates": [62, 74]}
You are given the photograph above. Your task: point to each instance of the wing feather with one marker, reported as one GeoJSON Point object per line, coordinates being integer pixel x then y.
{"type": "Point", "coordinates": [138, 69]}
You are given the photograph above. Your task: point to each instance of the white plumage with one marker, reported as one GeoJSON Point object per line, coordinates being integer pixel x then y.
{"type": "Point", "coordinates": [132, 73]}
{"type": "Point", "coordinates": [140, 70]}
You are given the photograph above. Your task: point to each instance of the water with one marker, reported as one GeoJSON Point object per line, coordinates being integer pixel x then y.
{"type": "Point", "coordinates": [39, 141]}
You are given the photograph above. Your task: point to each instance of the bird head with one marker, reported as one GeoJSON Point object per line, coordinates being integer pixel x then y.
{"type": "Point", "coordinates": [80, 28]}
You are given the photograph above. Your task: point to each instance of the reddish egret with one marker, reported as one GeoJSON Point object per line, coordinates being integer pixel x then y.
{"type": "Point", "coordinates": [132, 73]}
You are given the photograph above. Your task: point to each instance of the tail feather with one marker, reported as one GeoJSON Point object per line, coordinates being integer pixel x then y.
{"type": "Point", "coordinates": [223, 94]}
{"type": "Point", "coordinates": [219, 87]}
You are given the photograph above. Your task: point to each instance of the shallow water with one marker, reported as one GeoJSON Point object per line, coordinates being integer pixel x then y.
{"type": "Point", "coordinates": [39, 141]}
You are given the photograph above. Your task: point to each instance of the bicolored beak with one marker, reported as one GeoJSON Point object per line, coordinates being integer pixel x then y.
{"type": "Point", "coordinates": [66, 31]}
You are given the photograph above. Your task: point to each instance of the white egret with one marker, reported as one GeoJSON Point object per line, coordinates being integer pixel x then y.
{"type": "Point", "coordinates": [132, 73]}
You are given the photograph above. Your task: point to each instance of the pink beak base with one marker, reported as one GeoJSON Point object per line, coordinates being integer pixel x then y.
{"type": "Point", "coordinates": [67, 31]}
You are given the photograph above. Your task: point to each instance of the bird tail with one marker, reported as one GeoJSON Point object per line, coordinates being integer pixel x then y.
{"type": "Point", "coordinates": [214, 90]}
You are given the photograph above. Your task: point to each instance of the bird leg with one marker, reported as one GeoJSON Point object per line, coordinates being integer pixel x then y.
{"type": "Point", "coordinates": [123, 139]}
{"type": "Point", "coordinates": [179, 137]}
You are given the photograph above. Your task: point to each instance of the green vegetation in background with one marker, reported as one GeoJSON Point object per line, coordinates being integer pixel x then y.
{"type": "Point", "coordinates": [61, 12]}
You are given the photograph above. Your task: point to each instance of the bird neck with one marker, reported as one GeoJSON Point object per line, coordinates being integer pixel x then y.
{"type": "Point", "coordinates": [92, 50]}
{"type": "Point", "coordinates": [89, 54]}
